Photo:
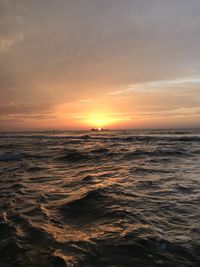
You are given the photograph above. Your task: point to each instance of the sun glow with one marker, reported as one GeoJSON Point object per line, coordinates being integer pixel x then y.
{"type": "Point", "coordinates": [100, 120]}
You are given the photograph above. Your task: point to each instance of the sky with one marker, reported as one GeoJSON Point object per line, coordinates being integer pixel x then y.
{"type": "Point", "coordinates": [79, 64]}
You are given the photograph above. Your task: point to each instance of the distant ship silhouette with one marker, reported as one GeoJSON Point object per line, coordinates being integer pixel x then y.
{"type": "Point", "coordinates": [99, 129]}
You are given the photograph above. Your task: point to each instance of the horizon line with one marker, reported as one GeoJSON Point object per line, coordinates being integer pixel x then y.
{"type": "Point", "coordinates": [107, 129]}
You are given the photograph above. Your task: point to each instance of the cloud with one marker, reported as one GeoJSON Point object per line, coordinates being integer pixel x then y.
{"type": "Point", "coordinates": [6, 43]}
{"type": "Point", "coordinates": [158, 85]}
{"type": "Point", "coordinates": [78, 51]}
{"type": "Point", "coordinates": [176, 112]}
{"type": "Point", "coordinates": [25, 109]}
{"type": "Point", "coordinates": [86, 100]}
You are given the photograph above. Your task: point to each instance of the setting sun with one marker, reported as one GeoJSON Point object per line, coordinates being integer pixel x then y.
{"type": "Point", "coordinates": [100, 120]}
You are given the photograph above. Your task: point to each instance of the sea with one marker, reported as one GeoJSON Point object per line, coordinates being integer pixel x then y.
{"type": "Point", "coordinates": [106, 198]}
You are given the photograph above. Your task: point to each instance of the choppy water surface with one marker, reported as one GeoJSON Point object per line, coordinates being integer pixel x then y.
{"type": "Point", "coordinates": [100, 199]}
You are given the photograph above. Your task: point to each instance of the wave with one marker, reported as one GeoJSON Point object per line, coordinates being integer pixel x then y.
{"type": "Point", "coordinates": [11, 156]}
{"type": "Point", "coordinates": [188, 139]}
{"type": "Point", "coordinates": [19, 156]}
{"type": "Point", "coordinates": [148, 170]}
{"type": "Point", "coordinates": [99, 199]}
{"type": "Point", "coordinates": [100, 151]}
{"type": "Point", "coordinates": [74, 156]}
{"type": "Point", "coordinates": [87, 207]}
{"type": "Point", "coordinates": [137, 249]}
{"type": "Point", "coordinates": [88, 198]}
{"type": "Point", "coordinates": [35, 169]}
{"type": "Point", "coordinates": [156, 153]}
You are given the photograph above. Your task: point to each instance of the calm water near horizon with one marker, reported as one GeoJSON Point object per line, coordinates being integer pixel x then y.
{"type": "Point", "coordinates": [95, 199]}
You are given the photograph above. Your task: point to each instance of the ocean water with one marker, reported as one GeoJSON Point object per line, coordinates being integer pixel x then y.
{"type": "Point", "coordinates": [100, 199]}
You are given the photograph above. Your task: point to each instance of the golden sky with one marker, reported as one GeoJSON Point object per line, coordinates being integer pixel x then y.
{"type": "Point", "coordinates": [78, 64]}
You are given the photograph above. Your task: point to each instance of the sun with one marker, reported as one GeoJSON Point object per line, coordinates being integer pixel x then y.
{"type": "Point", "coordinates": [100, 120]}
